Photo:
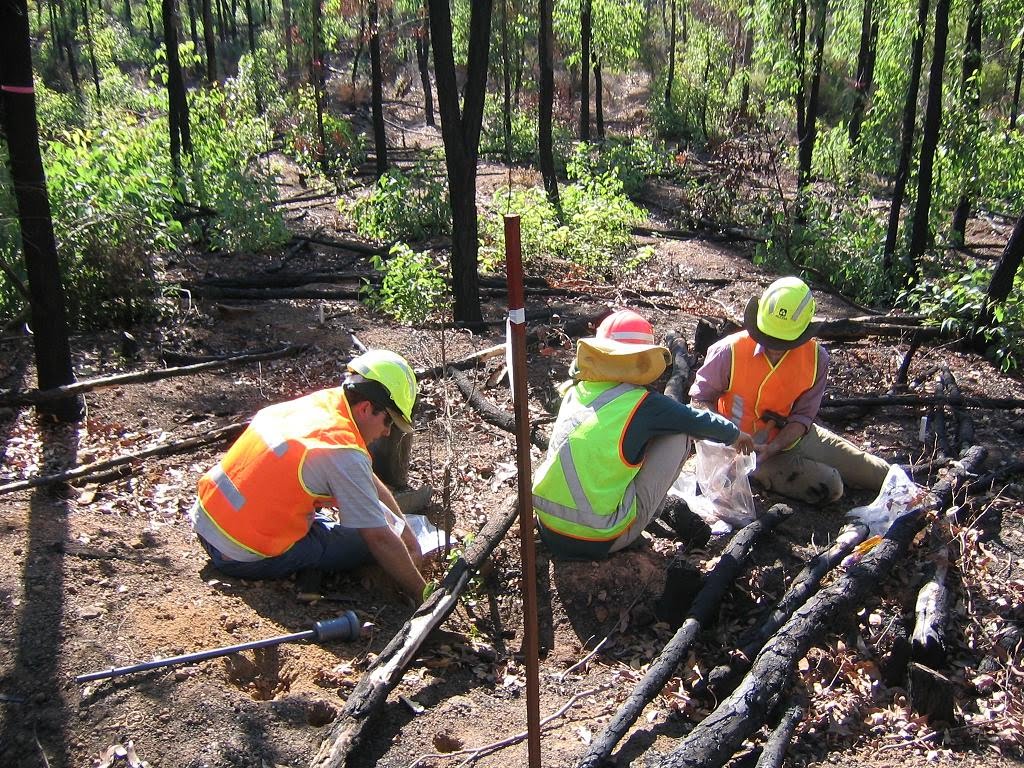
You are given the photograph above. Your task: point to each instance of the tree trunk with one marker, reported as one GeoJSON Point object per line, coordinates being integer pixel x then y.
{"type": "Point", "coordinates": [191, 22]}
{"type": "Point", "coordinates": [670, 80]}
{"type": "Point", "coordinates": [598, 99]}
{"type": "Point", "coordinates": [128, 17]}
{"type": "Point", "coordinates": [221, 26]}
{"type": "Point", "coordinates": [545, 54]}
{"type": "Point", "coordinates": [461, 136]}
{"type": "Point", "coordinates": [1000, 285]}
{"type": "Point", "coordinates": [380, 139]}
{"type": "Point", "coordinates": [316, 77]}
{"type": "Point", "coordinates": [920, 232]}
{"type": "Point", "coordinates": [21, 131]}
{"type": "Point", "coordinates": [806, 151]}
{"type": "Point", "coordinates": [798, 22]}
{"type": "Point", "coordinates": [359, 49]}
{"type": "Point", "coordinates": [865, 69]}
{"type": "Point", "coordinates": [289, 52]}
{"type": "Point", "coordinates": [423, 62]}
{"type": "Point", "coordinates": [1016, 89]}
{"type": "Point", "coordinates": [92, 47]}
{"type": "Point", "coordinates": [67, 37]}
{"type": "Point", "coordinates": [177, 101]}
{"type": "Point", "coordinates": [906, 138]}
{"type": "Point", "coordinates": [251, 26]}
{"type": "Point", "coordinates": [210, 42]}
{"type": "Point", "coordinates": [748, 52]}
{"type": "Point", "coordinates": [971, 96]}
{"type": "Point", "coordinates": [585, 31]}
{"type": "Point", "coordinates": [506, 78]}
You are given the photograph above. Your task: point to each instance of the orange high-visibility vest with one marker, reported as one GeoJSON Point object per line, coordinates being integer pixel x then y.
{"type": "Point", "coordinates": [255, 495]}
{"type": "Point", "coordinates": [755, 386]}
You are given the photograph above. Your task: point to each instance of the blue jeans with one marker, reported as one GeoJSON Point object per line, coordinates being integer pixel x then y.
{"type": "Point", "coordinates": [328, 546]}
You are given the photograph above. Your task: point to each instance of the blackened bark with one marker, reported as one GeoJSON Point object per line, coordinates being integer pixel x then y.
{"type": "Point", "coordinates": [748, 51]}
{"type": "Point", "coordinates": [798, 41]}
{"type": "Point", "coordinates": [461, 135]}
{"type": "Point", "coordinates": [191, 21]}
{"type": "Point", "coordinates": [1000, 285]}
{"type": "Point", "coordinates": [251, 26]}
{"type": "Point", "coordinates": [289, 51]}
{"type": "Point", "coordinates": [971, 96]}
{"type": "Point", "coordinates": [920, 232]}
{"type": "Point", "coordinates": [598, 99]}
{"type": "Point", "coordinates": [704, 608]}
{"type": "Point", "coordinates": [585, 30]}
{"type": "Point", "coordinates": [899, 188]}
{"type": "Point", "coordinates": [715, 738]}
{"type": "Point", "coordinates": [128, 17]}
{"type": "Point", "coordinates": [316, 77]}
{"type": "Point", "coordinates": [506, 81]}
{"type": "Point", "coordinates": [92, 47]}
{"type": "Point", "coordinates": [177, 101]}
{"type": "Point", "coordinates": [1015, 106]}
{"type": "Point", "coordinates": [210, 42]}
{"type": "Point", "coordinates": [360, 39]}
{"type": "Point", "coordinates": [380, 139]}
{"type": "Point", "coordinates": [807, 138]}
{"type": "Point", "coordinates": [545, 55]}
{"type": "Point", "coordinates": [21, 130]}
{"type": "Point", "coordinates": [423, 62]}
{"type": "Point", "coordinates": [670, 80]}
{"type": "Point", "coordinates": [865, 68]}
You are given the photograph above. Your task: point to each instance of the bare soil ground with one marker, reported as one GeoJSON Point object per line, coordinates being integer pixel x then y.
{"type": "Point", "coordinates": [108, 573]}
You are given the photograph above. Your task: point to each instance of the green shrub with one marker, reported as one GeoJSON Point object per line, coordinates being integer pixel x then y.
{"type": "Point", "coordinates": [403, 206]}
{"type": "Point", "coordinates": [953, 300]}
{"type": "Point", "coordinates": [344, 149]}
{"type": "Point", "coordinates": [594, 231]}
{"type": "Point", "coordinates": [630, 161]}
{"type": "Point", "coordinates": [413, 288]}
{"type": "Point", "coordinates": [524, 132]}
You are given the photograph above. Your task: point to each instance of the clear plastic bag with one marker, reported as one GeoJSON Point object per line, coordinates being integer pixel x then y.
{"type": "Point", "coordinates": [897, 496]}
{"type": "Point", "coordinates": [716, 485]}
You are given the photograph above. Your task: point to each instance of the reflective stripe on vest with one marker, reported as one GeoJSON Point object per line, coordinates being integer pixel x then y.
{"type": "Point", "coordinates": [254, 504]}
{"type": "Point", "coordinates": [756, 386]}
{"type": "Point", "coordinates": [579, 492]}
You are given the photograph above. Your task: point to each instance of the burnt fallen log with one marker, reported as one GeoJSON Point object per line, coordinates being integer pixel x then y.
{"type": "Point", "coordinates": [36, 396]}
{"type": "Point", "coordinates": [774, 751]}
{"type": "Point", "coordinates": [491, 413]}
{"type": "Point", "coordinates": [931, 612]}
{"type": "Point", "coordinates": [992, 403]}
{"type": "Point", "coordinates": [387, 670]}
{"type": "Point", "coordinates": [713, 741]}
{"type": "Point", "coordinates": [97, 468]}
{"type": "Point", "coordinates": [722, 679]}
{"type": "Point", "coordinates": [704, 608]}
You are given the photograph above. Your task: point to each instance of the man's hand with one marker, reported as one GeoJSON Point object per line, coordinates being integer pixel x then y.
{"type": "Point", "coordinates": [744, 444]}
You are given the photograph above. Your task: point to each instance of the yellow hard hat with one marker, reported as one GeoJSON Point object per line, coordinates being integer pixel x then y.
{"type": "Point", "coordinates": [395, 382]}
{"type": "Point", "coordinates": [781, 318]}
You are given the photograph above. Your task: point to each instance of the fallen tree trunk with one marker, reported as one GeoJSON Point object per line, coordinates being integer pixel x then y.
{"type": "Point", "coordinates": [386, 672]}
{"type": "Point", "coordinates": [722, 679]}
{"type": "Point", "coordinates": [491, 413]}
{"type": "Point", "coordinates": [713, 741]}
{"type": "Point", "coordinates": [701, 612]}
{"type": "Point", "coordinates": [469, 361]}
{"type": "Point", "coordinates": [36, 396]}
{"type": "Point", "coordinates": [269, 294]}
{"type": "Point", "coordinates": [94, 469]}
{"type": "Point", "coordinates": [346, 245]}
{"type": "Point", "coordinates": [993, 403]}
{"type": "Point", "coordinates": [775, 747]}
{"type": "Point", "coordinates": [931, 612]}
{"type": "Point", "coordinates": [851, 329]}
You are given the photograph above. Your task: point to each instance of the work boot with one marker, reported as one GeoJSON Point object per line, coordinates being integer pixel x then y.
{"type": "Point", "coordinates": [689, 528]}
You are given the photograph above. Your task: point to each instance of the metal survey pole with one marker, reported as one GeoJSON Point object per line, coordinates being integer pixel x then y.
{"type": "Point", "coordinates": [520, 396]}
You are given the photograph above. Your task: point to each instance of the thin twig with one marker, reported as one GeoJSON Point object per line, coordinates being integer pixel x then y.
{"type": "Point", "coordinates": [585, 659]}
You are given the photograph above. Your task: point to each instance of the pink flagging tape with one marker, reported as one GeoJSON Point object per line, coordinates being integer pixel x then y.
{"type": "Point", "coordinates": [17, 88]}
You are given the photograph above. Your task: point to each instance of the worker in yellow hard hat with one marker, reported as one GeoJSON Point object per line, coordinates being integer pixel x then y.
{"type": "Point", "coordinates": [769, 380]}
{"type": "Point", "coordinates": [297, 489]}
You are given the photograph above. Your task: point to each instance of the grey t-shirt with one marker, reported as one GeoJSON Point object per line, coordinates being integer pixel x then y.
{"type": "Point", "coordinates": [347, 475]}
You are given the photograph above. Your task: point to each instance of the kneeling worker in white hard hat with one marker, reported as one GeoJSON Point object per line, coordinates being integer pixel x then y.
{"type": "Point", "coordinates": [616, 447]}
{"type": "Point", "coordinates": [297, 489]}
{"type": "Point", "coordinates": [769, 379]}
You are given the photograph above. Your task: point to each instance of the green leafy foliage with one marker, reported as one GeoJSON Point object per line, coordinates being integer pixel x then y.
{"type": "Point", "coordinates": [524, 132]}
{"type": "Point", "coordinates": [955, 298]}
{"type": "Point", "coordinates": [403, 206]}
{"type": "Point", "coordinates": [631, 161]}
{"type": "Point", "coordinates": [593, 232]}
{"type": "Point", "coordinates": [413, 288]}
{"type": "Point", "coordinates": [344, 148]}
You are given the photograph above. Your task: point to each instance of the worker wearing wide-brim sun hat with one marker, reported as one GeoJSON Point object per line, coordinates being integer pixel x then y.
{"type": "Point", "coordinates": [769, 380]}
{"type": "Point", "coordinates": [616, 446]}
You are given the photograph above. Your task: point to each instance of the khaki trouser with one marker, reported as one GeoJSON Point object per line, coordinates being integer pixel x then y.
{"type": "Point", "coordinates": [818, 467]}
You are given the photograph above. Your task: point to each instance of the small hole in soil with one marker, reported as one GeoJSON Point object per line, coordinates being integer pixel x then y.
{"type": "Point", "coordinates": [320, 713]}
{"type": "Point", "coordinates": [263, 677]}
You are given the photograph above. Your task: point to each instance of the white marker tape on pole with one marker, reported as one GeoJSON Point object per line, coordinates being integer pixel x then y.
{"type": "Point", "coordinates": [923, 432]}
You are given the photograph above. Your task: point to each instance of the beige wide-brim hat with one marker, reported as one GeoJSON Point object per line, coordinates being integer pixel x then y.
{"type": "Point", "coordinates": [600, 359]}
{"type": "Point", "coordinates": [771, 342]}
